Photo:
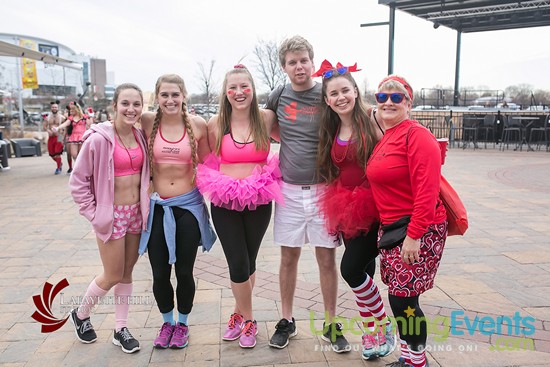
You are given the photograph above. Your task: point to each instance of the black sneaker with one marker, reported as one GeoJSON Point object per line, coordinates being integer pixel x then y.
{"type": "Point", "coordinates": [84, 330]}
{"type": "Point", "coordinates": [69, 171]}
{"type": "Point", "coordinates": [124, 339]}
{"type": "Point", "coordinates": [284, 331]}
{"type": "Point", "coordinates": [339, 344]}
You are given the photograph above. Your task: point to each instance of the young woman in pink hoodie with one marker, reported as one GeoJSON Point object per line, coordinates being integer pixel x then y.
{"type": "Point", "coordinates": [109, 183]}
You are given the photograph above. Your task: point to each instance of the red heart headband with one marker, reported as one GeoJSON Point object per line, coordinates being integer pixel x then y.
{"type": "Point", "coordinates": [401, 81]}
{"type": "Point", "coordinates": [326, 66]}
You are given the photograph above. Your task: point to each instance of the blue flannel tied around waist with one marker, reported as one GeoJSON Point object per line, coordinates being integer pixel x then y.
{"type": "Point", "coordinates": [192, 201]}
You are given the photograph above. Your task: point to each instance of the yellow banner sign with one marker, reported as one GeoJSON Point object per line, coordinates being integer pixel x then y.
{"type": "Point", "coordinates": [28, 66]}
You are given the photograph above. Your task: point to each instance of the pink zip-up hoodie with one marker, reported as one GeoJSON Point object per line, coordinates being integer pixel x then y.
{"type": "Point", "coordinates": [92, 182]}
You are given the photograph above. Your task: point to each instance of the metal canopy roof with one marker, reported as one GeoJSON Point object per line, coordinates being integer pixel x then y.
{"type": "Point", "coordinates": [468, 16]}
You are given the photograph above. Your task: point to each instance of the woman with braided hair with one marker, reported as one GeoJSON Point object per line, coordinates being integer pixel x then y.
{"type": "Point", "coordinates": [178, 220]}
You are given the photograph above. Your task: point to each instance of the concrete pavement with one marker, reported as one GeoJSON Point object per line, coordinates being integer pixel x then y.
{"type": "Point", "coordinates": [498, 272]}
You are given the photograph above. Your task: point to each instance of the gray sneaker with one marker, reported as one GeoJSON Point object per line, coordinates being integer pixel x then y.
{"type": "Point", "coordinates": [284, 331]}
{"type": "Point", "coordinates": [125, 340]}
{"type": "Point", "coordinates": [334, 336]}
{"type": "Point", "coordinates": [83, 328]}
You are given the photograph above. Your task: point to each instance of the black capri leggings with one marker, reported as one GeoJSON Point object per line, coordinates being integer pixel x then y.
{"type": "Point", "coordinates": [414, 329]}
{"type": "Point", "coordinates": [241, 234]}
{"type": "Point", "coordinates": [359, 258]}
{"type": "Point", "coordinates": [188, 236]}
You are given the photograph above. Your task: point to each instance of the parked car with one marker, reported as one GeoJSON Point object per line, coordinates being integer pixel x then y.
{"type": "Point", "coordinates": [424, 108]}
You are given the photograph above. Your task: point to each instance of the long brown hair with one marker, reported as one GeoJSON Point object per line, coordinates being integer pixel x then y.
{"type": "Point", "coordinates": [257, 125]}
{"type": "Point", "coordinates": [363, 132]}
{"type": "Point", "coordinates": [173, 79]}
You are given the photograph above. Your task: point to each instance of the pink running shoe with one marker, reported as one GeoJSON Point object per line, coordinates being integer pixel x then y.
{"type": "Point", "coordinates": [180, 337]}
{"type": "Point", "coordinates": [248, 336]}
{"type": "Point", "coordinates": [234, 327]}
{"type": "Point", "coordinates": [165, 334]}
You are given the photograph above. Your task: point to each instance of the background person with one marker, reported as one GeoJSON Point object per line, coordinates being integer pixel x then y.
{"type": "Point", "coordinates": [347, 138]}
{"type": "Point", "coordinates": [76, 125]}
{"type": "Point", "coordinates": [178, 220]}
{"type": "Point", "coordinates": [405, 172]}
{"type": "Point", "coordinates": [241, 182]}
{"type": "Point", "coordinates": [298, 222]}
{"type": "Point", "coordinates": [55, 137]}
{"type": "Point", "coordinates": [114, 153]}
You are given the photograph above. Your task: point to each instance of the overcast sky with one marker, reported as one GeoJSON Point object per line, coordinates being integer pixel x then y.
{"type": "Point", "coordinates": [141, 40]}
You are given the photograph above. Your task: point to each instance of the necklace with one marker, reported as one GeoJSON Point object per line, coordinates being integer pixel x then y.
{"type": "Point", "coordinates": [126, 149]}
{"type": "Point", "coordinates": [242, 144]}
{"type": "Point", "coordinates": [348, 143]}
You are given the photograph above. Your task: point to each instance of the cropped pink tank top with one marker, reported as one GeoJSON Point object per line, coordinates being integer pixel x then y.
{"type": "Point", "coordinates": [171, 152]}
{"type": "Point", "coordinates": [234, 152]}
{"type": "Point", "coordinates": [127, 161]}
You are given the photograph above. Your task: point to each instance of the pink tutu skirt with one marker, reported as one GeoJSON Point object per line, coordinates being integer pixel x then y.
{"type": "Point", "coordinates": [261, 187]}
{"type": "Point", "coordinates": [349, 211]}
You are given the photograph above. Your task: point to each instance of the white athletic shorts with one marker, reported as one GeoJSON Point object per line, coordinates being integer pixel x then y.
{"type": "Point", "coordinates": [298, 221]}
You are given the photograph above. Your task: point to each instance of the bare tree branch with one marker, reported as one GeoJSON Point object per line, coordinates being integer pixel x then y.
{"type": "Point", "coordinates": [207, 84]}
{"type": "Point", "coordinates": [267, 63]}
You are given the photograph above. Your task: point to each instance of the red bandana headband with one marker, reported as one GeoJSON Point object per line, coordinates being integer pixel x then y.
{"type": "Point", "coordinates": [327, 66]}
{"type": "Point", "coordinates": [401, 81]}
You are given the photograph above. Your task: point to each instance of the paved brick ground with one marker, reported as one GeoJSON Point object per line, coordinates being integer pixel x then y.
{"type": "Point", "coordinates": [501, 266]}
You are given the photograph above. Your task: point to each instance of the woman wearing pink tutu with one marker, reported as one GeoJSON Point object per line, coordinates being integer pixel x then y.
{"type": "Point", "coordinates": [241, 180]}
{"type": "Point", "coordinates": [347, 139]}
{"type": "Point", "coordinates": [77, 123]}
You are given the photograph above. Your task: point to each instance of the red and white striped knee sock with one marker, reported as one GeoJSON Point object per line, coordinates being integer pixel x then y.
{"type": "Point", "coordinates": [123, 292]}
{"type": "Point", "coordinates": [418, 358]}
{"type": "Point", "coordinates": [405, 351]}
{"type": "Point", "coordinates": [91, 298]}
{"type": "Point", "coordinates": [369, 301]}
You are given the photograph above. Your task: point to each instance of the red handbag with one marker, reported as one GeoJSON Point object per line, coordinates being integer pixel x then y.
{"type": "Point", "coordinates": [457, 217]}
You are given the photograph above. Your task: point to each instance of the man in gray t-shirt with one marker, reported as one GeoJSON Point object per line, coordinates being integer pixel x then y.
{"type": "Point", "coordinates": [298, 222]}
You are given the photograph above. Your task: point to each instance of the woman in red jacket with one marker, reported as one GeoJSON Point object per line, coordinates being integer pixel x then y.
{"type": "Point", "coordinates": [405, 171]}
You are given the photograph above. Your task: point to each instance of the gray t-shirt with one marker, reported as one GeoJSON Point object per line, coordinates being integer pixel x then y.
{"type": "Point", "coordinates": [298, 115]}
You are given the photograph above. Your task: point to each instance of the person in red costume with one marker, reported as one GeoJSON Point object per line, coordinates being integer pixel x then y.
{"type": "Point", "coordinates": [348, 136]}
{"type": "Point", "coordinates": [404, 171]}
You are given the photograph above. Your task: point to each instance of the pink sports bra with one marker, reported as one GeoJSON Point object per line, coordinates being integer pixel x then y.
{"type": "Point", "coordinates": [172, 152]}
{"type": "Point", "coordinates": [127, 161]}
{"type": "Point", "coordinates": [234, 152]}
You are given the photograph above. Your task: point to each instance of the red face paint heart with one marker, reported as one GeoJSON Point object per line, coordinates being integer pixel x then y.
{"type": "Point", "coordinates": [230, 92]}
{"type": "Point", "coordinates": [247, 90]}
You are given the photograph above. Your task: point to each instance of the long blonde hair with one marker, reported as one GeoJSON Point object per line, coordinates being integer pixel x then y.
{"type": "Point", "coordinates": [173, 79]}
{"type": "Point", "coordinates": [257, 125]}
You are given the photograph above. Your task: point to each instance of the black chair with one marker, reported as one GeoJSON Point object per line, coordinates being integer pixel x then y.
{"type": "Point", "coordinates": [511, 133]}
{"type": "Point", "coordinates": [469, 132]}
{"type": "Point", "coordinates": [26, 147]}
{"type": "Point", "coordinates": [4, 154]}
{"type": "Point", "coordinates": [487, 130]}
{"type": "Point", "coordinates": [542, 133]}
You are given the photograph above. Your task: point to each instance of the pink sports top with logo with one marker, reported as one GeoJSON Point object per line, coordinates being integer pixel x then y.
{"type": "Point", "coordinates": [127, 161]}
{"type": "Point", "coordinates": [234, 152]}
{"type": "Point", "coordinates": [172, 152]}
